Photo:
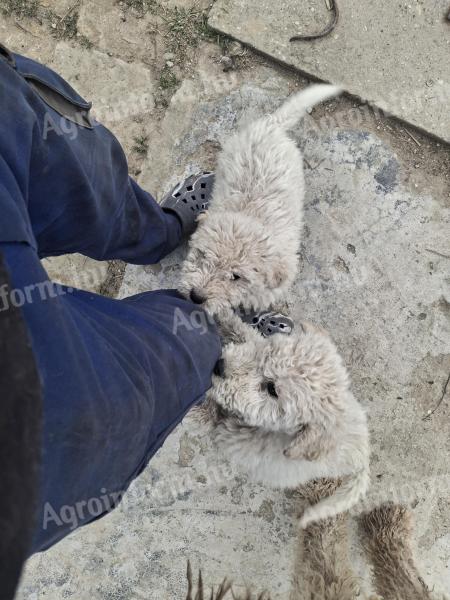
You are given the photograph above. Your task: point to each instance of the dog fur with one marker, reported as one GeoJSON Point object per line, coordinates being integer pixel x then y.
{"type": "Point", "coordinates": [322, 568]}
{"type": "Point", "coordinates": [387, 532]}
{"type": "Point", "coordinates": [196, 591]}
{"type": "Point", "coordinates": [313, 428]}
{"type": "Point", "coordinates": [245, 250]}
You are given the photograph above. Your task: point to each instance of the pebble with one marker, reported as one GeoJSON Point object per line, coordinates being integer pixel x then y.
{"type": "Point", "coordinates": [227, 63]}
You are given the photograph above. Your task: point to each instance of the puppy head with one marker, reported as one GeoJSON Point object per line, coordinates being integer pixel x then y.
{"type": "Point", "coordinates": [292, 384]}
{"type": "Point", "coordinates": [231, 262]}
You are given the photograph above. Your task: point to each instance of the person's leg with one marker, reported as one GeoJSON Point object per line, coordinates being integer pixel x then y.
{"type": "Point", "coordinates": [117, 377]}
{"type": "Point", "coordinates": [70, 177]}
{"type": "Point", "coordinates": [20, 441]}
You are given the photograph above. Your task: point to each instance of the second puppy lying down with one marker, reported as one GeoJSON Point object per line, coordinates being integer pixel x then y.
{"type": "Point", "coordinates": [245, 250]}
{"type": "Point", "coordinates": [283, 411]}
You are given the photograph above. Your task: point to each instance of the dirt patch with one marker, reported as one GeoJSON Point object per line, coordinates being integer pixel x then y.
{"type": "Point", "coordinates": [111, 286]}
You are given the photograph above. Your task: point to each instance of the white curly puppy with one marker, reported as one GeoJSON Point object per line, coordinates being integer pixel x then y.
{"type": "Point", "coordinates": [245, 249]}
{"type": "Point", "coordinates": [282, 410]}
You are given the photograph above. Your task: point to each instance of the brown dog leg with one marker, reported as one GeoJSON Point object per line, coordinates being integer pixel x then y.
{"type": "Point", "coordinates": [322, 567]}
{"type": "Point", "coordinates": [387, 540]}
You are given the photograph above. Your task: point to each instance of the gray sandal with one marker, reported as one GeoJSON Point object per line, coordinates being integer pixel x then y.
{"type": "Point", "coordinates": [189, 199]}
{"type": "Point", "coordinates": [269, 323]}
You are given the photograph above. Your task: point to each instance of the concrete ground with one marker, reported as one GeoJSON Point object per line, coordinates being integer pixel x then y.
{"type": "Point", "coordinates": [375, 272]}
{"type": "Point", "coordinates": [406, 45]}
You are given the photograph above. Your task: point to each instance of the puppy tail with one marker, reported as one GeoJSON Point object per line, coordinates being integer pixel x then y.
{"type": "Point", "coordinates": [294, 109]}
{"type": "Point", "coordinates": [342, 500]}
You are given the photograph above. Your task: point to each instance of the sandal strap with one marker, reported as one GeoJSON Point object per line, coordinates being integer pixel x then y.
{"type": "Point", "coordinates": [189, 199]}
{"type": "Point", "coordinates": [269, 323]}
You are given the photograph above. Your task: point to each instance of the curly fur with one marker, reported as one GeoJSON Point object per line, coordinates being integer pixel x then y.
{"type": "Point", "coordinates": [387, 532]}
{"type": "Point", "coordinates": [314, 428]}
{"type": "Point", "coordinates": [245, 249]}
{"type": "Point", "coordinates": [322, 567]}
{"type": "Point", "coordinates": [225, 590]}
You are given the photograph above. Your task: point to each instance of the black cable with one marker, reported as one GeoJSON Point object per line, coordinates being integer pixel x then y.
{"type": "Point", "coordinates": [325, 32]}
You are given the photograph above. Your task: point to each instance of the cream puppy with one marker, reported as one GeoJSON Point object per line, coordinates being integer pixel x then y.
{"type": "Point", "coordinates": [245, 249]}
{"type": "Point", "coordinates": [283, 411]}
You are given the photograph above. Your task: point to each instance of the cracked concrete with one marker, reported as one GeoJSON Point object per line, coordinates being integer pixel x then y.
{"type": "Point", "coordinates": [394, 55]}
{"type": "Point", "coordinates": [374, 271]}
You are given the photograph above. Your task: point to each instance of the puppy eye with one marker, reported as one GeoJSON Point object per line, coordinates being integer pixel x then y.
{"type": "Point", "coordinates": [272, 389]}
{"type": "Point", "coordinates": [235, 276]}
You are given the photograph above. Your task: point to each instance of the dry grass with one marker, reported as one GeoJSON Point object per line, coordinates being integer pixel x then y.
{"type": "Point", "coordinates": [20, 8]}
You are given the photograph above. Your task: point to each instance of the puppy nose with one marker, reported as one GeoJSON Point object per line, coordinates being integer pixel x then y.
{"type": "Point", "coordinates": [197, 296]}
{"type": "Point", "coordinates": [219, 369]}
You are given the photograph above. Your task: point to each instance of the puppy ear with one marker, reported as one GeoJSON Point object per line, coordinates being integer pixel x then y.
{"type": "Point", "coordinates": [311, 443]}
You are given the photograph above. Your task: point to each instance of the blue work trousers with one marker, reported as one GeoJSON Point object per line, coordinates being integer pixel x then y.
{"type": "Point", "coordinates": [117, 375]}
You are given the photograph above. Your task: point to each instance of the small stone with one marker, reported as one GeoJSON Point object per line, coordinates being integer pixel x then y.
{"type": "Point", "coordinates": [53, 25]}
{"type": "Point", "coordinates": [309, 110]}
{"type": "Point", "coordinates": [227, 63]}
{"type": "Point", "coordinates": [170, 64]}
